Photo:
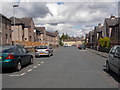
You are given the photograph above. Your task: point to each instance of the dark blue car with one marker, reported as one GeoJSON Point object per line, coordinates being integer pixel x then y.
{"type": "Point", "coordinates": [14, 57]}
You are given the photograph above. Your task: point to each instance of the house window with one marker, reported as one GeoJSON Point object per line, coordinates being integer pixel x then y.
{"type": "Point", "coordinates": [10, 35]}
{"type": "Point", "coordinates": [6, 36]}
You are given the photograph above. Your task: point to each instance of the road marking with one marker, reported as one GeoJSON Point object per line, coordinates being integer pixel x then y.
{"type": "Point", "coordinates": [23, 74]}
{"type": "Point", "coordinates": [42, 62]}
{"type": "Point", "coordinates": [14, 75]}
{"type": "Point", "coordinates": [38, 64]}
{"type": "Point", "coordinates": [35, 67]}
{"type": "Point", "coordinates": [29, 70]}
{"type": "Point", "coordinates": [82, 50]}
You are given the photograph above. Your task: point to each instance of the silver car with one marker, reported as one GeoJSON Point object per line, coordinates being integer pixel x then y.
{"type": "Point", "coordinates": [113, 61]}
{"type": "Point", "coordinates": [43, 50]}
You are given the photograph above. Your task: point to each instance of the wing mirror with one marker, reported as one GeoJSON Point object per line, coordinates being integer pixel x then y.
{"type": "Point", "coordinates": [117, 55]}
{"type": "Point", "coordinates": [27, 51]}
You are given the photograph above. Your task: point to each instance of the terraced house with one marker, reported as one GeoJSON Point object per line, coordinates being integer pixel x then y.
{"type": "Point", "coordinates": [29, 29]}
{"type": "Point", "coordinates": [46, 37]}
{"type": "Point", "coordinates": [5, 30]}
{"type": "Point", "coordinates": [112, 29]}
{"type": "Point", "coordinates": [18, 29]}
{"type": "Point", "coordinates": [52, 38]}
{"type": "Point", "coordinates": [41, 34]}
{"type": "Point", "coordinates": [99, 32]}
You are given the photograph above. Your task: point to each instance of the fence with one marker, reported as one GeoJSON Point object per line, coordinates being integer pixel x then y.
{"type": "Point", "coordinates": [28, 43]}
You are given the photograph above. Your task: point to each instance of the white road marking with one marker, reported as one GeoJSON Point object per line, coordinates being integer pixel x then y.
{"type": "Point", "coordinates": [29, 70]}
{"type": "Point", "coordinates": [38, 64]}
{"type": "Point", "coordinates": [14, 75]}
{"type": "Point", "coordinates": [35, 67]}
{"type": "Point", "coordinates": [42, 62]}
{"type": "Point", "coordinates": [82, 50]}
{"type": "Point", "coordinates": [23, 74]}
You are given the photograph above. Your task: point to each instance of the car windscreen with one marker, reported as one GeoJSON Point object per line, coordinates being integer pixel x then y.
{"type": "Point", "coordinates": [41, 47]}
{"type": "Point", "coordinates": [6, 49]}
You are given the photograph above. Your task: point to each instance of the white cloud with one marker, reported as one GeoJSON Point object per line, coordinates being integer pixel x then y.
{"type": "Point", "coordinates": [70, 17]}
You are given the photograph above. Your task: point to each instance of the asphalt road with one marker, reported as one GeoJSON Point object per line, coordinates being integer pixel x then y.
{"type": "Point", "coordinates": [67, 68]}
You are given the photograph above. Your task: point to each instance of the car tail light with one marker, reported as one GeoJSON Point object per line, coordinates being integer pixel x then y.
{"type": "Point", "coordinates": [36, 51]}
{"type": "Point", "coordinates": [47, 50]}
{"type": "Point", "coordinates": [10, 57]}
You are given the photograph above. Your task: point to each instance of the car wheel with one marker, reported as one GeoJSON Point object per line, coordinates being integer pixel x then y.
{"type": "Point", "coordinates": [18, 66]}
{"type": "Point", "coordinates": [107, 67]}
{"type": "Point", "coordinates": [49, 55]}
{"type": "Point", "coordinates": [31, 60]}
{"type": "Point", "coordinates": [36, 56]}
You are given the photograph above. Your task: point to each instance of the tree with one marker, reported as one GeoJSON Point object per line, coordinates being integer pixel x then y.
{"type": "Point", "coordinates": [104, 42]}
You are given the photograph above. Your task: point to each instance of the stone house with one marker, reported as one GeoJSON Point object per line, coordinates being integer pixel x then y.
{"type": "Point", "coordinates": [112, 29]}
{"type": "Point", "coordinates": [29, 34]}
{"type": "Point", "coordinates": [5, 30]}
{"type": "Point", "coordinates": [41, 34]}
{"type": "Point", "coordinates": [18, 29]}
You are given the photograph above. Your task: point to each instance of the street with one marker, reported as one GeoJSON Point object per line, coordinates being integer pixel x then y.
{"type": "Point", "coordinates": [69, 67]}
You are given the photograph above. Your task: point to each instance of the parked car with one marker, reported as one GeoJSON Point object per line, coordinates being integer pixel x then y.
{"type": "Point", "coordinates": [81, 46]}
{"type": "Point", "coordinates": [43, 50]}
{"type": "Point", "coordinates": [66, 45]}
{"type": "Point", "coordinates": [14, 57]}
{"type": "Point", "coordinates": [113, 61]}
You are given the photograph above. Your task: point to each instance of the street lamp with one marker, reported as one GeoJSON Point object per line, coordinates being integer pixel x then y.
{"type": "Point", "coordinates": [14, 12]}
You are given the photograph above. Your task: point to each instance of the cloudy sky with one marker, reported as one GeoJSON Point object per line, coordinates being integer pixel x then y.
{"type": "Point", "coordinates": [74, 18]}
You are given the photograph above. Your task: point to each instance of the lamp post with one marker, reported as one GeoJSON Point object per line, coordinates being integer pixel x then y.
{"type": "Point", "coordinates": [14, 15]}
{"type": "Point", "coordinates": [14, 12]}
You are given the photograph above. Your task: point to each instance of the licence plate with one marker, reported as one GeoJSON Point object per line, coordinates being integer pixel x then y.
{"type": "Point", "coordinates": [41, 53]}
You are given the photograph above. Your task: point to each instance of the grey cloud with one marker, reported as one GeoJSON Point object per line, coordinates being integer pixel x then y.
{"type": "Point", "coordinates": [35, 10]}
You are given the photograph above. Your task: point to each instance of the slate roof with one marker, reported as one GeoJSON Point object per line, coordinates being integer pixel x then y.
{"type": "Point", "coordinates": [26, 21]}
{"type": "Point", "coordinates": [99, 28]}
{"type": "Point", "coordinates": [1, 15]}
{"type": "Point", "coordinates": [17, 21]}
{"type": "Point", "coordinates": [111, 22]}
{"type": "Point", "coordinates": [91, 32]}
{"type": "Point", "coordinates": [40, 29]}
{"type": "Point", "coordinates": [53, 34]}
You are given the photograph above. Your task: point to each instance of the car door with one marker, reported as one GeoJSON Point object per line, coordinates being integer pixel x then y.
{"type": "Point", "coordinates": [111, 58]}
{"type": "Point", "coordinates": [116, 61]}
{"type": "Point", "coordinates": [26, 55]}
{"type": "Point", "coordinates": [20, 55]}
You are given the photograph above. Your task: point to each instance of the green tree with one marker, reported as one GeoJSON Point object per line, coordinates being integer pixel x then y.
{"type": "Point", "coordinates": [104, 42]}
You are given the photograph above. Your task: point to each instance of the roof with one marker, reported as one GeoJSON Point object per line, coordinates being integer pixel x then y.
{"type": "Point", "coordinates": [87, 35]}
{"type": "Point", "coordinates": [91, 32]}
{"type": "Point", "coordinates": [40, 29]}
{"type": "Point", "coordinates": [99, 28]}
{"type": "Point", "coordinates": [26, 21]}
{"type": "Point", "coordinates": [17, 21]}
{"type": "Point", "coordinates": [53, 34]}
{"type": "Point", "coordinates": [1, 15]}
{"type": "Point", "coordinates": [111, 21]}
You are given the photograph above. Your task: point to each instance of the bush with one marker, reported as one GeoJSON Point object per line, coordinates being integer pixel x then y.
{"type": "Point", "coordinates": [104, 42]}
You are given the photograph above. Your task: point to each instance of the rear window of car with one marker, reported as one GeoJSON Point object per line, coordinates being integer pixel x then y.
{"type": "Point", "coordinates": [6, 49]}
{"type": "Point", "coordinates": [41, 47]}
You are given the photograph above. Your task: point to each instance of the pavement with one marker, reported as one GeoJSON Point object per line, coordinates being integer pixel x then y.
{"type": "Point", "coordinates": [69, 67]}
{"type": "Point", "coordinates": [103, 54]}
